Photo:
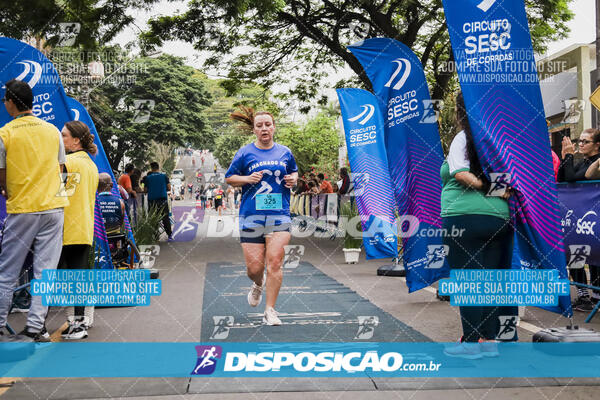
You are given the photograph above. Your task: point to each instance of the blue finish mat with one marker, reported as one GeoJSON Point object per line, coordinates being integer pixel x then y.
{"type": "Point", "coordinates": [312, 306]}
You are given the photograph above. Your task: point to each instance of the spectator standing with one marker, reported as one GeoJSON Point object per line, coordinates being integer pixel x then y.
{"type": "Point", "coordinates": [135, 185]}
{"type": "Point", "coordinates": [345, 178]}
{"type": "Point", "coordinates": [486, 241]}
{"type": "Point", "coordinates": [325, 186]}
{"type": "Point", "coordinates": [589, 147]}
{"type": "Point", "coordinates": [125, 182]}
{"type": "Point", "coordinates": [156, 185]}
{"type": "Point", "coordinates": [230, 197]}
{"type": "Point", "coordinates": [31, 157]}
{"type": "Point", "coordinates": [78, 236]}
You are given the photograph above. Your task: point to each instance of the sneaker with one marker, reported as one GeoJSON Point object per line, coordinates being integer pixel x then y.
{"type": "Point", "coordinates": [470, 351]}
{"type": "Point", "coordinates": [78, 331]}
{"type": "Point", "coordinates": [67, 331]}
{"type": "Point", "coordinates": [489, 348]}
{"type": "Point", "coordinates": [255, 295]}
{"type": "Point", "coordinates": [42, 336]}
{"type": "Point", "coordinates": [270, 317]}
{"type": "Point", "coordinates": [17, 309]}
{"type": "Point", "coordinates": [5, 336]}
{"type": "Point", "coordinates": [584, 305]}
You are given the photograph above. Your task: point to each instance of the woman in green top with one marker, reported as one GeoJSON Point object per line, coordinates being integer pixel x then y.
{"type": "Point", "coordinates": [486, 241]}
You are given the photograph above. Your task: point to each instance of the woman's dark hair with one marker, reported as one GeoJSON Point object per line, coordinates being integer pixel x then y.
{"type": "Point", "coordinates": [463, 120]}
{"type": "Point", "coordinates": [20, 93]}
{"type": "Point", "coordinates": [81, 131]}
{"type": "Point", "coordinates": [136, 174]}
{"type": "Point", "coordinates": [343, 172]}
{"type": "Point", "coordinates": [594, 133]}
{"type": "Point", "coordinates": [301, 186]}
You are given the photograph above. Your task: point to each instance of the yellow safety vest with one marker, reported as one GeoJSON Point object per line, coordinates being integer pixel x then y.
{"type": "Point", "coordinates": [33, 181]}
{"type": "Point", "coordinates": [79, 214]}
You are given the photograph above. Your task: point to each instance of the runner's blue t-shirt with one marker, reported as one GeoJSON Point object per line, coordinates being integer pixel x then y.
{"type": "Point", "coordinates": [266, 203]}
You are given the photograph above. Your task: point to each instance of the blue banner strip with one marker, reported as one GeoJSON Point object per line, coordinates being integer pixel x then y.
{"type": "Point", "coordinates": [292, 360]}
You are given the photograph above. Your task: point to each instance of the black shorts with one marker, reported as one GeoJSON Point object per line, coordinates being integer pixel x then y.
{"type": "Point", "coordinates": [258, 234]}
{"type": "Point", "coordinates": [218, 203]}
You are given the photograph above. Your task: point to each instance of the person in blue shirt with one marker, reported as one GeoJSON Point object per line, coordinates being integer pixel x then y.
{"type": "Point", "coordinates": [266, 171]}
{"type": "Point", "coordinates": [111, 206]}
{"type": "Point", "coordinates": [157, 185]}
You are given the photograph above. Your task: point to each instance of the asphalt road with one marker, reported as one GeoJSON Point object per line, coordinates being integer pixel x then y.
{"type": "Point", "coordinates": [176, 316]}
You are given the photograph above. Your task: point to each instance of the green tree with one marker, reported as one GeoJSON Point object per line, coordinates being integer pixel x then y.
{"type": "Point", "coordinates": [177, 118]}
{"type": "Point", "coordinates": [100, 21]}
{"type": "Point", "coordinates": [300, 39]}
{"type": "Point", "coordinates": [314, 144]}
{"type": "Point", "coordinates": [228, 144]}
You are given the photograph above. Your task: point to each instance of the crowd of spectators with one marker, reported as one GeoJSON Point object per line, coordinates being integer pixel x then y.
{"type": "Point", "coordinates": [319, 184]}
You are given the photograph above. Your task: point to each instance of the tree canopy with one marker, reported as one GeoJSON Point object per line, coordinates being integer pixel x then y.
{"type": "Point", "coordinates": [165, 102]}
{"type": "Point", "coordinates": [99, 21]}
{"type": "Point", "coordinates": [308, 39]}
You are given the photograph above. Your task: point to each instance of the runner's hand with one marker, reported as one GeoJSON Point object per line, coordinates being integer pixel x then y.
{"type": "Point", "coordinates": [290, 181]}
{"type": "Point", "coordinates": [255, 177]}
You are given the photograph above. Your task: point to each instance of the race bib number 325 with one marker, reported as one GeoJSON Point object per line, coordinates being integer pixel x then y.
{"type": "Point", "coordinates": [270, 201]}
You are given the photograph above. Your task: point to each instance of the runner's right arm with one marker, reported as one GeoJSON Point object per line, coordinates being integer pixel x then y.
{"type": "Point", "coordinates": [240, 180]}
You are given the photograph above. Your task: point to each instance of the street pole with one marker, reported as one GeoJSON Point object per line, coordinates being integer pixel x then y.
{"type": "Point", "coordinates": [597, 41]}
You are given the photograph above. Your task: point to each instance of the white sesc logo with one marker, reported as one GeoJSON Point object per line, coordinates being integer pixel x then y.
{"type": "Point", "coordinates": [407, 67]}
{"type": "Point", "coordinates": [30, 66]}
{"type": "Point", "coordinates": [586, 227]}
{"type": "Point", "coordinates": [75, 113]}
{"type": "Point", "coordinates": [486, 5]}
{"type": "Point", "coordinates": [367, 113]}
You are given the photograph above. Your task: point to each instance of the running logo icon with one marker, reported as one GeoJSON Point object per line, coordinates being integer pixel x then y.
{"type": "Point", "coordinates": [407, 67]}
{"type": "Point", "coordinates": [366, 327]}
{"type": "Point", "coordinates": [431, 111]}
{"type": "Point", "coordinates": [68, 184]}
{"type": "Point", "coordinates": [508, 327]}
{"type": "Point", "coordinates": [207, 359]}
{"type": "Point", "coordinates": [368, 109]}
{"type": "Point", "coordinates": [222, 326]}
{"type": "Point", "coordinates": [293, 253]}
{"type": "Point", "coordinates": [149, 252]}
{"type": "Point", "coordinates": [436, 255]}
{"type": "Point", "coordinates": [499, 183]}
{"type": "Point", "coordinates": [579, 254]}
{"type": "Point", "coordinates": [67, 33]}
{"type": "Point", "coordinates": [142, 110]}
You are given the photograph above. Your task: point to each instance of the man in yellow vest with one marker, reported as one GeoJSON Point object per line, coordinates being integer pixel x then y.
{"type": "Point", "coordinates": [31, 158]}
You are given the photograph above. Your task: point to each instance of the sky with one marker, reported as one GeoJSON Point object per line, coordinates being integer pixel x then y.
{"type": "Point", "coordinates": [582, 26]}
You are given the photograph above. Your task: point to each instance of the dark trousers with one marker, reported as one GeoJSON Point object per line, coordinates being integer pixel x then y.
{"type": "Point", "coordinates": [163, 206]}
{"type": "Point", "coordinates": [579, 276]}
{"type": "Point", "coordinates": [486, 243]}
{"type": "Point", "coordinates": [75, 256]}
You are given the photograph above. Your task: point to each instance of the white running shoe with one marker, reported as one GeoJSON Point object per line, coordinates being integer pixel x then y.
{"type": "Point", "coordinates": [255, 295]}
{"type": "Point", "coordinates": [270, 317]}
